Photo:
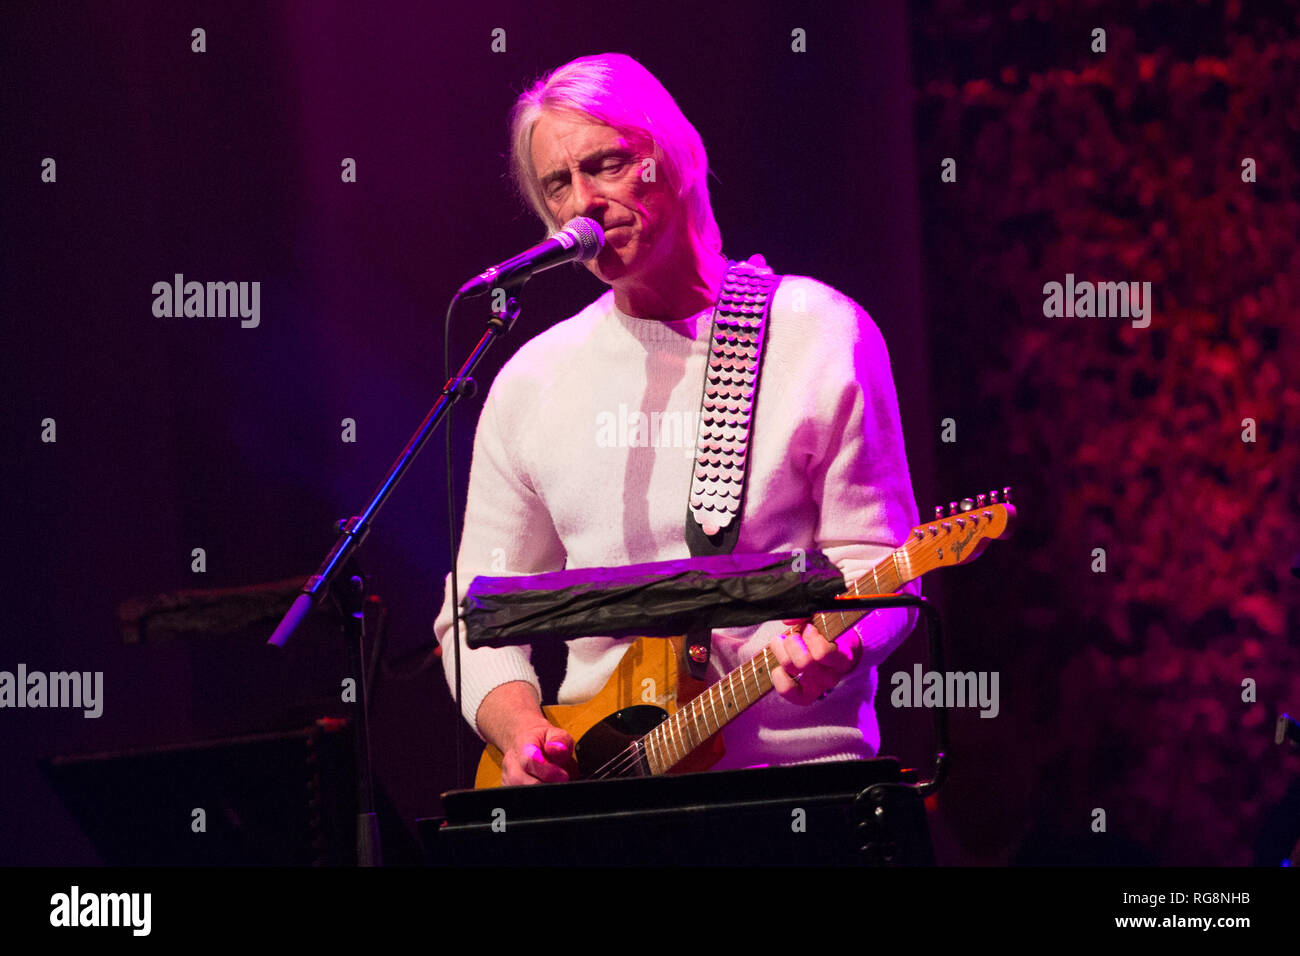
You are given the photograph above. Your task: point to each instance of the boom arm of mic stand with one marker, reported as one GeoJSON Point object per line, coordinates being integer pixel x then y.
{"type": "Point", "coordinates": [354, 531]}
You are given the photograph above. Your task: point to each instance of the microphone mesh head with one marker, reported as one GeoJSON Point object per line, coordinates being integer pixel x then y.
{"type": "Point", "coordinates": [591, 238]}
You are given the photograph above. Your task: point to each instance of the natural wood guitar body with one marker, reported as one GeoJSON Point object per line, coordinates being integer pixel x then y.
{"type": "Point", "coordinates": [649, 673]}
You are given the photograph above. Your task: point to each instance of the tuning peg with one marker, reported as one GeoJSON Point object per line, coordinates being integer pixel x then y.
{"type": "Point", "coordinates": [967, 504]}
{"type": "Point", "coordinates": [938, 512]}
{"type": "Point", "coordinates": [980, 499]}
{"type": "Point", "coordinates": [1006, 494]}
{"type": "Point", "coordinates": [993, 497]}
{"type": "Point", "coordinates": [952, 507]}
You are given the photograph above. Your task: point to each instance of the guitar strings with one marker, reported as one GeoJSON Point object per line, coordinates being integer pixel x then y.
{"type": "Point", "coordinates": [626, 759]}
{"type": "Point", "coordinates": [630, 756]}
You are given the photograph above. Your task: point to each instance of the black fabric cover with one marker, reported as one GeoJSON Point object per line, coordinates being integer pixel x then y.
{"type": "Point", "coordinates": [662, 598]}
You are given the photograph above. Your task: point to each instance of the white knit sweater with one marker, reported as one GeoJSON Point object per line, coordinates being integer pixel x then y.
{"type": "Point", "coordinates": [583, 456]}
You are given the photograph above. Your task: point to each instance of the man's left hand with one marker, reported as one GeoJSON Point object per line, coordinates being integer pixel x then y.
{"type": "Point", "coordinates": [810, 664]}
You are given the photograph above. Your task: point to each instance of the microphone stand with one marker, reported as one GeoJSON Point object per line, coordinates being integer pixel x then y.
{"type": "Point", "coordinates": [350, 592]}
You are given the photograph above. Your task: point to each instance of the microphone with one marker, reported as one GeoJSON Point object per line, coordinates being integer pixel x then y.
{"type": "Point", "coordinates": [580, 239]}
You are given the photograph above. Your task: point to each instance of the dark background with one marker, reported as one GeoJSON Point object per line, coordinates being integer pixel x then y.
{"type": "Point", "coordinates": [1119, 691]}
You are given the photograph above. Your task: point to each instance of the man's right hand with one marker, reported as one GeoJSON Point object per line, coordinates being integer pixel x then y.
{"type": "Point", "coordinates": [533, 749]}
{"type": "Point", "coordinates": [542, 753]}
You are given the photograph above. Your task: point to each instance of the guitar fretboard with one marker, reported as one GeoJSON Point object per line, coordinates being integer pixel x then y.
{"type": "Point", "coordinates": [695, 722]}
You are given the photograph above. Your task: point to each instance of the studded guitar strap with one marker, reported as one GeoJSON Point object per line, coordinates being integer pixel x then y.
{"type": "Point", "coordinates": [726, 417]}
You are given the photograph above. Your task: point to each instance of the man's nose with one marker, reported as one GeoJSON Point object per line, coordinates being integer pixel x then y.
{"type": "Point", "coordinates": [588, 199]}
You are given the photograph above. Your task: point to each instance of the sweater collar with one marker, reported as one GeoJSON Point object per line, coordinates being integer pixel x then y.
{"type": "Point", "coordinates": [660, 334]}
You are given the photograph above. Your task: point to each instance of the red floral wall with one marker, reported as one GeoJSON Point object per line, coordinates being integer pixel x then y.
{"type": "Point", "coordinates": [1123, 689]}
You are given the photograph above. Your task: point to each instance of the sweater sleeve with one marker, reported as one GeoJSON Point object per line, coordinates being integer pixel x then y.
{"type": "Point", "coordinates": [507, 531]}
{"type": "Point", "coordinates": [861, 483]}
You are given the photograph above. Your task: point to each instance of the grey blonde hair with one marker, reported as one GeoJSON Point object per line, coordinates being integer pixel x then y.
{"type": "Point", "coordinates": [617, 91]}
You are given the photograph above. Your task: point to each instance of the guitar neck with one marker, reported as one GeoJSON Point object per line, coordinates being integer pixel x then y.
{"type": "Point", "coordinates": [701, 718]}
{"type": "Point", "coordinates": [885, 578]}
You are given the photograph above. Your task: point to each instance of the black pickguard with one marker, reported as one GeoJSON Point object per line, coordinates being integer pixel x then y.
{"type": "Point", "coordinates": [612, 737]}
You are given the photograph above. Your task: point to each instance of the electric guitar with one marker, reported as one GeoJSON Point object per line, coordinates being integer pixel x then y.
{"type": "Point", "coordinates": [652, 717]}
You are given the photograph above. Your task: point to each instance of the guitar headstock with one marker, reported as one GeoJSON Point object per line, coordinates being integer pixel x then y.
{"type": "Point", "coordinates": [959, 536]}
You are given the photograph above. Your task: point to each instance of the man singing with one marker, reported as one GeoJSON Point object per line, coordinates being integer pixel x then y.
{"type": "Point", "coordinates": [600, 137]}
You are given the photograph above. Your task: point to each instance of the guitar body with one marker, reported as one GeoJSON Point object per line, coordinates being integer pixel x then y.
{"type": "Point", "coordinates": [646, 688]}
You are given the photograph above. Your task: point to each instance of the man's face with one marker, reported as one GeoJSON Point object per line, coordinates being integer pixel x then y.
{"type": "Point", "coordinates": [586, 169]}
